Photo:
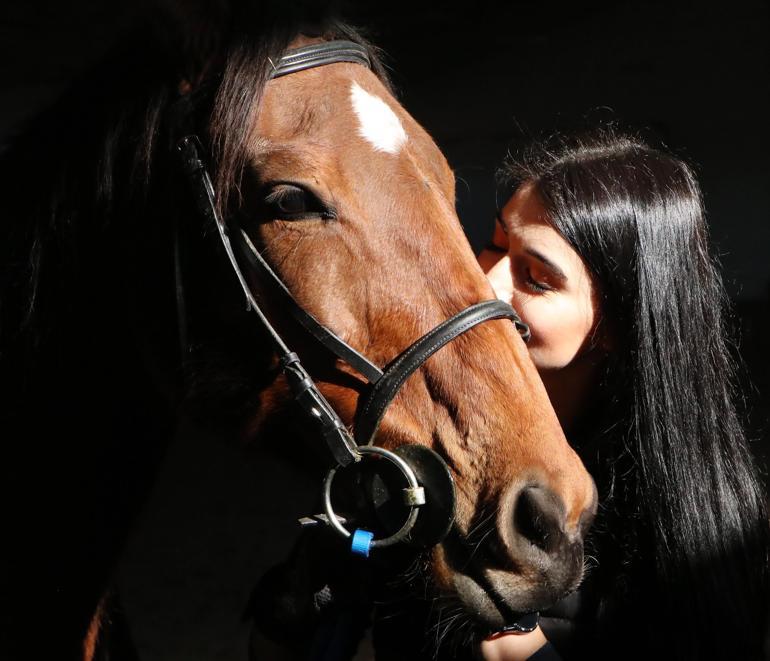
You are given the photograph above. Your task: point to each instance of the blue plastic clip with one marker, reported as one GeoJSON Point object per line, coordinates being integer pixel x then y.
{"type": "Point", "coordinates": [362, 541]}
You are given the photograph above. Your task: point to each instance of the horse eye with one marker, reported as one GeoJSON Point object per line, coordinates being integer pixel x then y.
{"type": "Point", "coordinates": [289, 202]}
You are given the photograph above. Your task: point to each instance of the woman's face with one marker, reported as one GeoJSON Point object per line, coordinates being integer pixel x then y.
{"type": "Point", "coordinates": [551, 288]}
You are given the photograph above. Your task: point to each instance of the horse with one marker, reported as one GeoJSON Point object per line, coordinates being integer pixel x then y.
{"type": "Point", "coordinates": [187, 172]}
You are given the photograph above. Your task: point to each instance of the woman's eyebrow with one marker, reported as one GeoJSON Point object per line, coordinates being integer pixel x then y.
{"type": "Point", "coordinates": [557, 271]}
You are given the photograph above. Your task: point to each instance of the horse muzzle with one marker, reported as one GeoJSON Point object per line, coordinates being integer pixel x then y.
{"type": "Point", "coordinates": [531, 559]}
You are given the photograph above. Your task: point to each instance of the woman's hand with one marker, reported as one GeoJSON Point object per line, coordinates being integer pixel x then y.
{"type": "Point", "coordinates": [512, 647]}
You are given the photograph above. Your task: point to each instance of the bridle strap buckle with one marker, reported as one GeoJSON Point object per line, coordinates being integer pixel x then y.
{"type": "Point", "coordinates": [306, 393]}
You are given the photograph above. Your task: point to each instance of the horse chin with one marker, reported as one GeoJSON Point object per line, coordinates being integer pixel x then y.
{"type": "Point", "coordinates": [491, 611]}
{"type": "Point", "coordinates": [495, 598]}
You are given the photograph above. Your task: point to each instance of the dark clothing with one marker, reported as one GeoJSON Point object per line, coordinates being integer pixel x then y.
{"type": "Point", "coordinates": [560, 624]}
{"type": "Point", "coordinates": [546, 653]}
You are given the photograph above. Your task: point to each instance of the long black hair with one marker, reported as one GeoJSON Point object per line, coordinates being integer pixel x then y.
{"type": "Point", "coordinates": [682, 537]}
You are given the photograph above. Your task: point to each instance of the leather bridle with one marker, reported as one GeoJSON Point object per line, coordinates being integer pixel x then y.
{"type": "Point", "coordinates": [385, 382]}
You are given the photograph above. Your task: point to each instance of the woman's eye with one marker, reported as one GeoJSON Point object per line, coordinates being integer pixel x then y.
{"type": "Point", "coordinates": [534, 284]}
{"type": "Point", "coordinates": [288, 202]}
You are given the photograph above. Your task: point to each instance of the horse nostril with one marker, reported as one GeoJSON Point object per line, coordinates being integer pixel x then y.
{"type": "Point", "coordinates": [539, 517]}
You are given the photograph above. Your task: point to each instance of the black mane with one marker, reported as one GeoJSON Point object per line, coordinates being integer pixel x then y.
{"type": "Point", "coordinates": [90, 379]}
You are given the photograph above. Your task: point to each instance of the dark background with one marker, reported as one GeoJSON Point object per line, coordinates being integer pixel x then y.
{"type": "Point", "coordinates": [480, 77]}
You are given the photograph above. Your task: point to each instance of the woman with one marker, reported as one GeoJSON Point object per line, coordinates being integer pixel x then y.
{"type": "Point", "coordinates": [603, 251]}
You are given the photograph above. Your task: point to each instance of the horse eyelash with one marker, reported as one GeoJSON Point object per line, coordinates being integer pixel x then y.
{"type": "Point", "coordinates": [320, 208]}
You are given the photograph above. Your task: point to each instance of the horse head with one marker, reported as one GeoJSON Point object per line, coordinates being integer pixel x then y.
{"type": "Point", "coordinates": [349, 202]}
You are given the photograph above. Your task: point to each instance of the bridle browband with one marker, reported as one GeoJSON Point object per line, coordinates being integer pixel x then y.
{"type": "Point", "coordinates": [385, 382]}
{"type": "Point", "coordinates": [317, 55]}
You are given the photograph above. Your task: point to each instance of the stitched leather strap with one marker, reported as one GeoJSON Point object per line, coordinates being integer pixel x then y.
{"type": "Point", "coordinates": [406, 363]}
{"type": "Point", "coordinates": [326, 338]}
{"type": "Point", "coordinates": [317, 55]}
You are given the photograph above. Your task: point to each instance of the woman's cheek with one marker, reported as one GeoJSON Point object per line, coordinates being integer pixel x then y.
{"type": "Point", "coordinates": [556, 334]}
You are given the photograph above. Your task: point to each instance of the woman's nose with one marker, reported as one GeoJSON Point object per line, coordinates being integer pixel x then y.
{"type": "Point", "coordinates": [497, 266]}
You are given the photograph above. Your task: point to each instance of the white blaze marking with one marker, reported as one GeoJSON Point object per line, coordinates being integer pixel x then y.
{"type": "Point", "coordinates": [378, 124]}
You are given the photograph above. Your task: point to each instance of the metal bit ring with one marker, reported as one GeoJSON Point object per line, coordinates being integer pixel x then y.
{"type": "Point", "coordinates": [414, 487]}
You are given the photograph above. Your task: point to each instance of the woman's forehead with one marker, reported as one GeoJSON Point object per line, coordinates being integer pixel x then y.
{"type": "Point", "coordinates": [525, 207]}
{"type": "Point", "coordinates": [530, 231]}
{"type": "Point", "coordinates": [526, 220]}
